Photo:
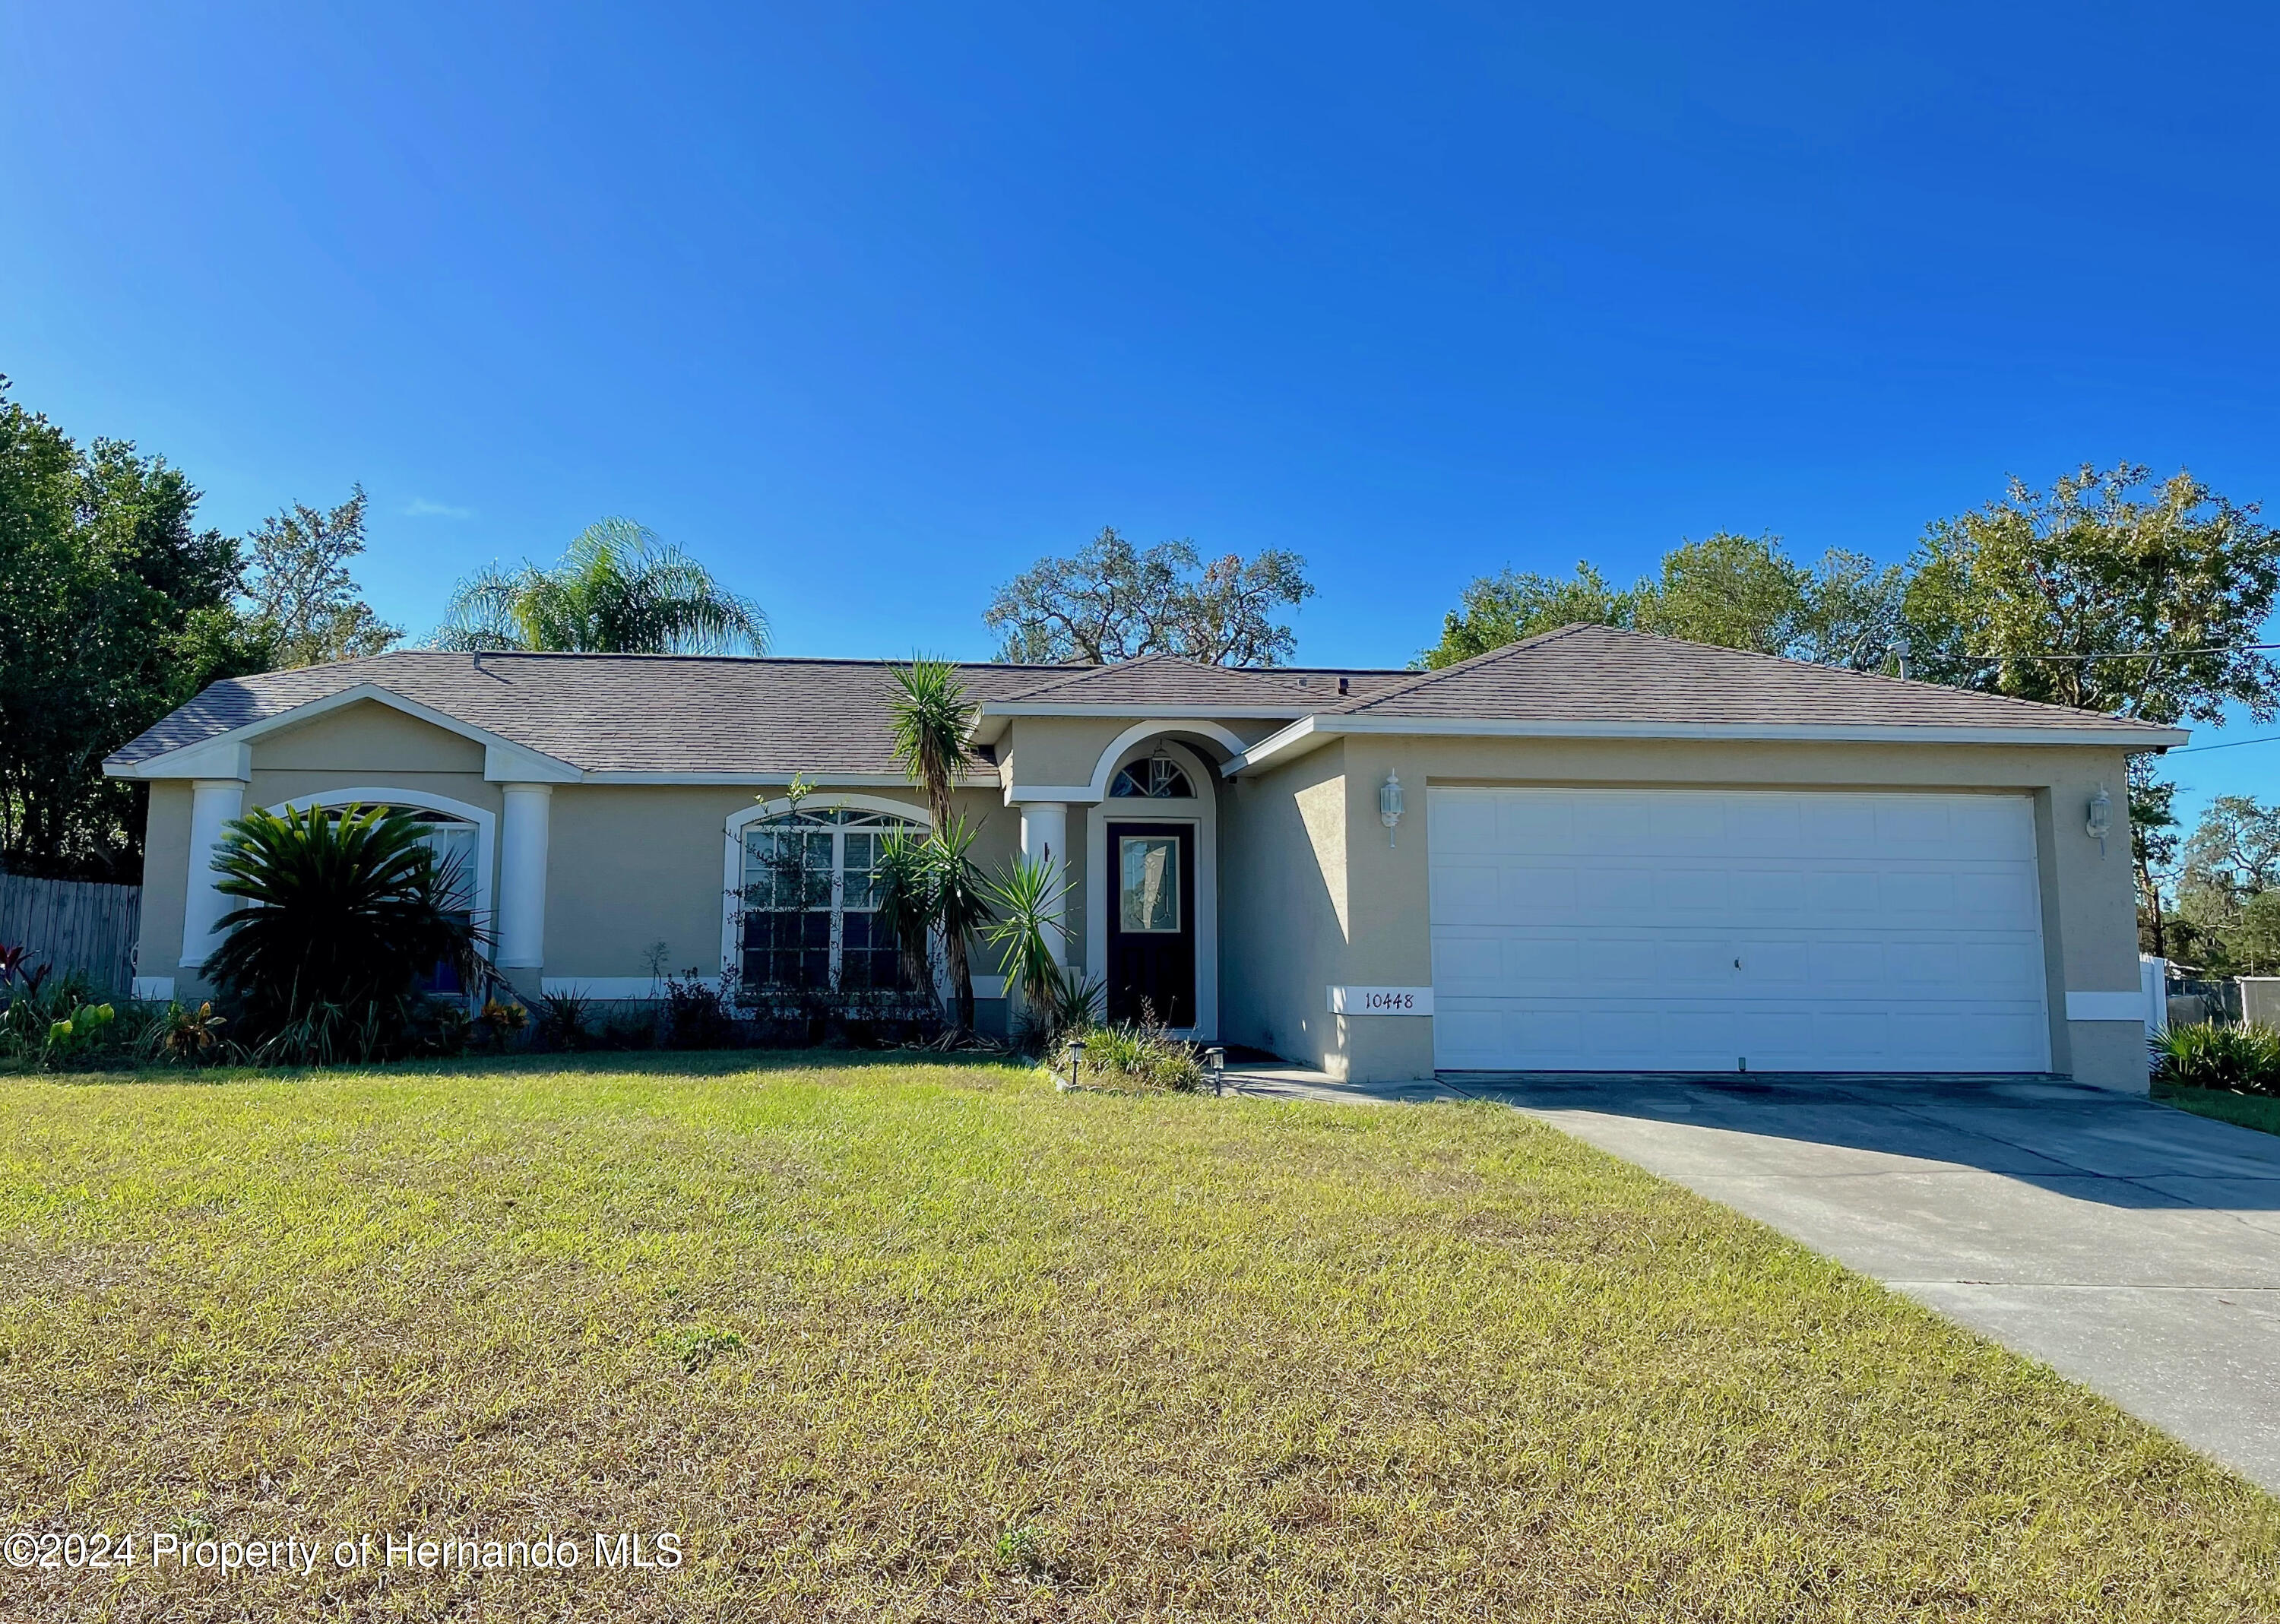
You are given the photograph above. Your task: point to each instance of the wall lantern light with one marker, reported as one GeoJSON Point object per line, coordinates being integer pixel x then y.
{"type": "Point", "coordinates": [1389, 804]}
{"type": "Point", "coordinates": [2099, 821]}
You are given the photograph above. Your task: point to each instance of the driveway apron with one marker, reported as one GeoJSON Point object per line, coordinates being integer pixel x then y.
{"type": "Point", "coordinates": [2130, 1246]}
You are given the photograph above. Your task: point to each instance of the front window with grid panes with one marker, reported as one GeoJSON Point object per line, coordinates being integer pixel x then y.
{"type": "Point", "coordinates": [811, 919]}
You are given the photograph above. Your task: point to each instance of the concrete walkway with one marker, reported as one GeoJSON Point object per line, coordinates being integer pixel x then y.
{"type": "Point", "coordinates": [2132, 1247]}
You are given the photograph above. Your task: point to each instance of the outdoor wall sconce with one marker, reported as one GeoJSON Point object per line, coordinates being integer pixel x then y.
{"type": "Point", "coordinates": [1389, 804]}
{"type": "Point", "coordinates": [2099, 821]}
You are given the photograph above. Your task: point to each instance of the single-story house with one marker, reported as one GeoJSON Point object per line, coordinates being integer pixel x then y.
{"type": "Point", "coordinates": [1591, 850]}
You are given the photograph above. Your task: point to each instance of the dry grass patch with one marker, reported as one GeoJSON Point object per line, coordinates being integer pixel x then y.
{"type": "Point", "coordinates": [880, 1340]}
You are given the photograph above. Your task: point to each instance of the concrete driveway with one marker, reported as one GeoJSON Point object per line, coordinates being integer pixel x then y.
{"type": "Point", "coordinates": [2128, 1245]}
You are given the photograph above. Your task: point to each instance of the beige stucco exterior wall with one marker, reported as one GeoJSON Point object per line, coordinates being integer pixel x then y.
{"type": "Point", "coordinates": [627, 866]}
{"type": "Point", "coordinates": [166, 878]}
{"type": "Point", "coordinates": [1284, 920]}
{"type": "Point", "coordinates": [2089, 904]}
{"type": "Point", "coordinates": [632, 865]}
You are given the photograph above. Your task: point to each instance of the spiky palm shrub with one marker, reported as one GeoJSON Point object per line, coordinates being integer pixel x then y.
{"type": "Point", "coordinates": [961, 905]}
{"type": "Point", "coordinates": [933, 721]}
{"type": "Point", "coordinates": [345, 909]}
{"type": "Point", "coordinates": [2243, 1059]}
{"type": "Point", "coordinates": [901, 878]}
{"type": "Point", "coordinates": [1028, 903]}
{"type": "Point", "coordinates": [617, 590]}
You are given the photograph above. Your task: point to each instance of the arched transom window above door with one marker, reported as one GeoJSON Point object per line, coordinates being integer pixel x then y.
{"type": "Point", "coordinates": [1153, 778]}
{"type": "Point", "coordinates": [810, 901]}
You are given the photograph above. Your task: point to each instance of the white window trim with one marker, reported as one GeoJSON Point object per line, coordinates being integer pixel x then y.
{"type": "Point", "coordinates": [1100, 893]}
{"type": "Point", "coordinates": [732, 867]}
{"type": "Point", "coordinates": [420, 800]}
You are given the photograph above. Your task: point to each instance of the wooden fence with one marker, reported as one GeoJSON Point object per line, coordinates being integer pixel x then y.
{"type": "Point", "coordinates": [72, 925]}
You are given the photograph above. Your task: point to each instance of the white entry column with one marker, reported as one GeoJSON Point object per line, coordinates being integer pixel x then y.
{"type": "Point", "coordinates": [215, 803]}
{"type": "Point", "coordinates": [523, 876]}
{"type": "Point", "coordinates": [1044, 832]}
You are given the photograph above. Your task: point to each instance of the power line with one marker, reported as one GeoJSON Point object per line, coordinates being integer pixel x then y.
{"type": "Point", "coordinates": [2195, 750]}
{"type": "Point", "coordinates": [2237, 648]}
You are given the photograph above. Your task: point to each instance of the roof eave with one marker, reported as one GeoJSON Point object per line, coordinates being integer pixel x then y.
{"type": "Point", "coordinates": [1312, 732]}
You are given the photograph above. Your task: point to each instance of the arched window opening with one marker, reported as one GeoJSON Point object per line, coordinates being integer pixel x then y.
{"type": "Point", "coordinates": [810, 921]}
{"type": "Point", "coordinates": [1157, 778]}
{"type": "Point", "coordinates": [452, 840]}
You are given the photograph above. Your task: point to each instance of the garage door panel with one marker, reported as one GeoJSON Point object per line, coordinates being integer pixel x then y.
{"type": "Point", "coordinates": [1601, 930]}
{"type": "Point", "coordinates": [1532, 891]}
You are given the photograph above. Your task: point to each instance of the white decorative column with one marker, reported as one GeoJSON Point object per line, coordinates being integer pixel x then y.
{"type": "Point", "coordinates": [1044, 832]}
{"type": "Point", "coordinates": [214, 801]}
{"type": "Point", "coordinates": [522, 877]}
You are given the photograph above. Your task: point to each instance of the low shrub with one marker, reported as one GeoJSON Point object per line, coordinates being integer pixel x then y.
{"type": "Point", "coordinates": [1136, 1056]}
{"type": "Point", "coordinates": [565, 1021]}
{"type": "Point", "coordinates": [2243, 1059]}
{"type": "Point", "coordinates": [179, 1035]}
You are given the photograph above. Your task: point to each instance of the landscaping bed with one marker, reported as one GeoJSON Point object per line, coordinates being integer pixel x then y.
{"type": "Point", "coordinates": [879, 1339]}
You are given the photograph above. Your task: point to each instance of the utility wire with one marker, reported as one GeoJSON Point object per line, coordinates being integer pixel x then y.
{"type": "Point", "coordinates": [2195, 750]}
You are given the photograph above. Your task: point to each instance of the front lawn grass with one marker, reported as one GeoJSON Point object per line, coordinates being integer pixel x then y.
{"type": "Point", "coordinates": [880, 1340]}
{"type": "Point", "coordinates": [2258, 1110]}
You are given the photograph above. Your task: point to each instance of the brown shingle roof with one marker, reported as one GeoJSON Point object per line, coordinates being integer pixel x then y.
{"type": "Point", "coordinates": [668, 713]}
{"type": "Point", "coordinates": [1599, 673]}
{"type": "Point", "coordinates": [611, 712]}
{"type": "Point", "coordinates": [1167, 680]}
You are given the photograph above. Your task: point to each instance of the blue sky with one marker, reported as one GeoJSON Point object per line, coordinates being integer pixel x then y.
{"type": "Point", "coordinates": [870, 307]}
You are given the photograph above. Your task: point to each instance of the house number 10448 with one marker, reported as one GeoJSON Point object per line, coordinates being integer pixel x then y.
{"type": "Point", "coordinates": [1381, 1000]}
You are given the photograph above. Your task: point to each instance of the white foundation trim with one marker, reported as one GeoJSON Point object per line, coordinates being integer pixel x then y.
{"type": "Point", "coordinates": [606, 988]}
{"type": "Point", "coordinates": [2106, 1006]}
{"type": "Point", "coordinates": [1204, 813]}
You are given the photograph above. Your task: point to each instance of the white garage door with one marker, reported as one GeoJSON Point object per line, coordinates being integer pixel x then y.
{"type": "Point", "coordinates": [1686, 930]}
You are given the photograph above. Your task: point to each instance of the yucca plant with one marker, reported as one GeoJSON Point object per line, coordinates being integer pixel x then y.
{"type": "Point", "coordinates": [344, 909]}
{"type": "Point", "coordinates": [961, 906]}
{"type": "Point", "coordinates": [1028, 903]}
{"type": "Point", "coordinates": [933, 722]}
{"type": "Point", "coordinates": [902, 880]}
{"type": "Point", "coordinates": [2243, 1059]}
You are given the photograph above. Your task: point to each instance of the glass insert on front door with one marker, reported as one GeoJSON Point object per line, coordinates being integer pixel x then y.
{"type": "Point", "coordinates": [1150, 885]}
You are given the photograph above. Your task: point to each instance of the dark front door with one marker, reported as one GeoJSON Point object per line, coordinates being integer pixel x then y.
{"type": "Point", "coordinates": [1151, 922]}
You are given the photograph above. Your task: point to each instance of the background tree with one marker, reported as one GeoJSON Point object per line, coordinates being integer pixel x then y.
{"type": "Point", "coordinates": [933, 723]}
{"type": "Point", "coordinates": [1112, 601]}
{"type": "Point", "coordinates": [2231, 859]}
{"type": "Point", "coordinates": [302, 598]}
{"type": "Point", "coordinates": [1736, 591]}
{"type": "Point", "coordinates": [617, 590]}
{"type": "Point", "coordinates": [1503, 608]}
{"type": "Point", "coordinates": [2153, 850]}
{"type": "Point", "coordinates": [2086, 595]}
{"type": "Point", "coordinates": [114, 609]}
{"type": "Point", "coordinates": [2113, 593]}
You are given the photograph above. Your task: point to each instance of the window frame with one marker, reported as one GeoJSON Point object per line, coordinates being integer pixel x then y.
{"type": "Point", "coordinates": [836, 819]}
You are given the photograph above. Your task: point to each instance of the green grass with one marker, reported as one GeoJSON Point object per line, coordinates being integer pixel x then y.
{"type": "Point", "coordinates": [892, 1341]}
{"type": "Point", "coordinates": [2257, 1110]}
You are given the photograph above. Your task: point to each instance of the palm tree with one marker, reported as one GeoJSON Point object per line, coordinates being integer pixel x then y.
{"type": "Point", "coordinates": [617, 590]}
{"type": "Point", "coordinates": [932, 720]}
{"type": "Point", "coordinates": [344, 910]}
